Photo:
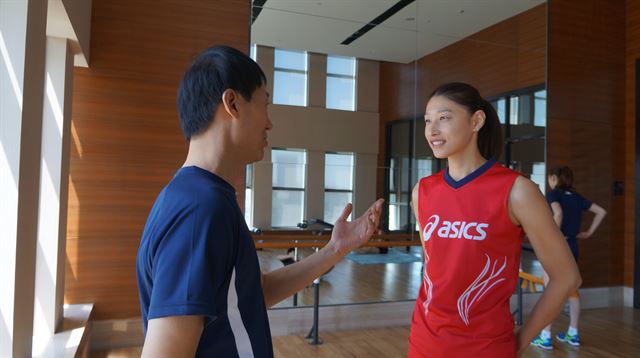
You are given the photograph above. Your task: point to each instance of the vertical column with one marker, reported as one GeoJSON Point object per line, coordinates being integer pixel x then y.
{"type": "Point", "coordinates": [22, 53]}
{"type": "Point", "coordinates": [265, 58]}
{"type": "Point", "coordinates": [317, 80]}
{"type": "Point", "coordinates": [262, 188]}
{"type": "Point", "coordinates": [367, 83]}
{"type": "Point", "coordinates": [364, 187]}
{"type": "Point", "coordinates": [54, 179]}
{"type": "Point", "coordinates": [314, 192]}
{"type": "Point", "coordinates": [262, 170]}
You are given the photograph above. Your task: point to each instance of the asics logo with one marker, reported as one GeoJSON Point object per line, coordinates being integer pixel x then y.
{"type": "Point", "coordinates": [454, 229]}
{"type": "Point", "coordinates": [430, 226]}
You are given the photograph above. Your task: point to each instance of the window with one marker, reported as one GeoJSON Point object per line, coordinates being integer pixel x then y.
{"type": "Point", "coordinates": [500, 106]}
{"type": "Point", "coordinates": [252, 51]}
{"type": "Point", "coordinates": [540, 108]}
{"type": "Point", "coordinates": [525, 109]}
{"type": "Point", "coordinates": [248, 196]}
{"type": "Point", "coordinates": [423, 168]}
{"type": "Point", "coordinates": [341, 83]}
{"type": "Point", "coordinates": [394, 206]}
{"type": "Point", "coordinates": [287, 200]}
{"type": "Point", "coordinates": [513, 110]}
{"type": "Point", "coordinates": [399, 193]}
{"type": "Point", "coordinates": [338, 184]}
{"type": "Point", "coordinates": [290, 78]}
{"type": "Point", "coordinates": [538, 175]}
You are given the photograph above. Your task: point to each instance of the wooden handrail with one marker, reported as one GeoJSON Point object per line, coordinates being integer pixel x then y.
{"type": "Point", "coordinates": [321, 243]}
{"type": "Point", "coordinates": [310, 237]}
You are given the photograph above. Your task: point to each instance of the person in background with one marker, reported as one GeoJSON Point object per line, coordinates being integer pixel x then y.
{"type": "Point", "coordinates": [568, 206]}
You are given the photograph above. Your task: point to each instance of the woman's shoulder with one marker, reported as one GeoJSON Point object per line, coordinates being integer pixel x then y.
{"type": "Point", "coordinates": [524, 189]}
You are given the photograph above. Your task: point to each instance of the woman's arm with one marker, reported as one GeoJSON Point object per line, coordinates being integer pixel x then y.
{"type": "Point", "coordinates": [528, 208]}
{"type": "Point", "coordinates": [597, 220]}
{"type": "Point", "coordinates": [414, 206]}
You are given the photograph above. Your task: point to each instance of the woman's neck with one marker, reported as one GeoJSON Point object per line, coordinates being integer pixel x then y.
{"type": "Point", "coordinates": [462, 165]}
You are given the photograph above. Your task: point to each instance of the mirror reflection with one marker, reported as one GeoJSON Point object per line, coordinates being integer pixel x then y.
{"type": "Point", "coordinates": [349, 82]}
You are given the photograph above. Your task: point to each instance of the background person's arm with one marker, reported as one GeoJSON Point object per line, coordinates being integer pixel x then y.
{"type": "Point", "coordinates": [346, 236]}
{"type": "Point", "coordinates": [529, 209]}
{"type": "Point", "coordinates": [556, 209]}
{"type": "Point", "coordinates": [174, 336]}
{"type": "Point", "coordinates": [597, 220]}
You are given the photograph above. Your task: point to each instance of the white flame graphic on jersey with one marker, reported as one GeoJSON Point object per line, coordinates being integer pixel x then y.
{"type": "Point", "coordinates": [430, 227]}
{"type": "Point", "coordinates": [479, 288]}
{"type": "Point", "coordinates": [428, 286]}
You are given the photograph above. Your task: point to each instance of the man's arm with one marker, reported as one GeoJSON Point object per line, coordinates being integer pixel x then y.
{"type": "Point", "coordinates": [346, 236]}
{"type": "Point", "coordinates": [174, 336]}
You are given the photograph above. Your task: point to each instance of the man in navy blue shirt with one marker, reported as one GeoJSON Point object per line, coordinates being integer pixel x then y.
{"type": "Point", "coordinates": [200, 286]}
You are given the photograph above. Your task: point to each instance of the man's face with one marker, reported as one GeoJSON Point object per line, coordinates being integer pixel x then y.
{"type": "Point", "coordinates": [253, 125]}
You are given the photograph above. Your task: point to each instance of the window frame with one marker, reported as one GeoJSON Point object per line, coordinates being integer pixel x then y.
{"type": "Point", "coordinates": [293, 189]}
{"type": "Point", "coordinates": [342, 76]}
{"type": "Point", "coordinates": [331, 190]}
{"type": "Point", "coordinates": [304, 72]}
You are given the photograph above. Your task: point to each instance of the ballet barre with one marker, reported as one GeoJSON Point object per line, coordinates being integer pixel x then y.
{"type": "Point", "coordinates": [525, 279]}
{"type": "Point", "coordinates": [286, 241]}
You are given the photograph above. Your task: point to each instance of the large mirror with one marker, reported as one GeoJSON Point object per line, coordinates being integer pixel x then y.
{"type": "Point", "coordinates": [349, 81]}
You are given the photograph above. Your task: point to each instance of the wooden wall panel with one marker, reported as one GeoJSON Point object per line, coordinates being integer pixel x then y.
{"type": "Point", "coordinates": [126, 139]}
{"type": "Point", "coordinates": [506, 56]}
{"type": "Point", "coordinates": [585, 88]}
{"type": "Point", "coordinates": [632, 54]}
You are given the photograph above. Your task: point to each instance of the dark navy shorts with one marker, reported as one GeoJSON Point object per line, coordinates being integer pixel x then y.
{"type": "Point", "coordinates": [573, 245]}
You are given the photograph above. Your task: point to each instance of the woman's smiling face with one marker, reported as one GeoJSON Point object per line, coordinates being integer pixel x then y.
{"type": "Point", "coordinates": [448, 129]}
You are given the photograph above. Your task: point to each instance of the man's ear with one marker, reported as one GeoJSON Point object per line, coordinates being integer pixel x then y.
{"type": "Point", "coordinates": [230, 102]}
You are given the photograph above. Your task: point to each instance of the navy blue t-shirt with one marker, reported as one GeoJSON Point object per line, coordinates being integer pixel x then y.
{"type": "Point", "coordinates": [573, 205]}
{"type": "Point", "coordinates": [195, 240]}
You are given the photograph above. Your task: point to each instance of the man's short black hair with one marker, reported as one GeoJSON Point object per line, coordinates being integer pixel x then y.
{"type": "Point", "coordinates": [213, 71]}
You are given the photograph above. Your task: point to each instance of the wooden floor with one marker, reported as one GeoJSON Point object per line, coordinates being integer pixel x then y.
{"type": "Point", "coordinates": [608, 332]}
{"type": "Point", "coordinates": [350, 282]}
{"type": "Point", "coordinates": [611, 332]}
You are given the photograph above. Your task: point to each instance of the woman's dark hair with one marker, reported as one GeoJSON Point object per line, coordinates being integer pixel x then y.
{"type": "Point", "coordinates": [213, 71]}
{"type": "Point", "coordinates": [490, 140]}
{"type": "Point", "coordinates": [565, 177]}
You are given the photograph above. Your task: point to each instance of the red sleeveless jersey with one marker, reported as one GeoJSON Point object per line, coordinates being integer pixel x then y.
{"type": "Point", "coordinates": [472, 258]}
